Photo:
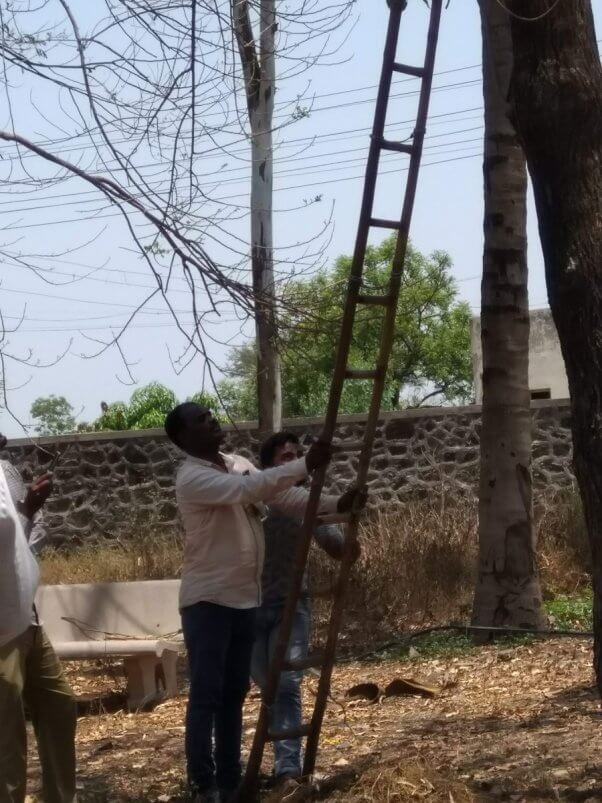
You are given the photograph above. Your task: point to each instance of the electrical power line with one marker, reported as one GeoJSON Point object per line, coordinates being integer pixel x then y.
{"type": "Point", "coordinates": [93, 301]}
{"type": "Point", "coordinates": [172, 324]}
{"type": "Point", "coordinates": [77, 278]}
{"type": "Point", "coordinates": [223, 150]}
{"type": "Point", "coordinates": [79, 195]}
{"type": "Point", "coordinates": [130, 308]}
{"type": "Point", "coordinates": [337, 136]}
{"type": "Point", "coordinates": [308, 169]}
{"type": "Point", "coordinates": [96, 217]}
{"type": "Point", "coordinates": [94, 131]}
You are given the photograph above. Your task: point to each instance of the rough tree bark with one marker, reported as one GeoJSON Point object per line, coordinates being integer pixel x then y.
{"type": "Point", "coordinates": [556, 93]}
{"type": "Point", "coordinates": [259, 70]}
{"type": "Point", "coordinates": [507, 591]}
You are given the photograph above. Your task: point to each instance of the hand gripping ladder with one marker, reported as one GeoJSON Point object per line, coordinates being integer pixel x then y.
{"type": "Point", "coordinates": [324, 659]}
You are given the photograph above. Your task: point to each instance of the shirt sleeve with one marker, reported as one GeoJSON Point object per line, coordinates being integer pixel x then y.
{"type": "Point", "coordinates": [208, 486]}
{"type": "Point", "coordinates": [294, 501]}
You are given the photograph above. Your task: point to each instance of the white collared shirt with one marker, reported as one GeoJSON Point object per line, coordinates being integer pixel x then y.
{"type": "Point", "coordinates": [222, 512]}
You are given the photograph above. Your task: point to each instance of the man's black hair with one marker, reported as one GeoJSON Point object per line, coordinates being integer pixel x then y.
{"type": "Point", "coordinates": [275, 441]}
{"type": "Point", "coordinates": [174, 421]}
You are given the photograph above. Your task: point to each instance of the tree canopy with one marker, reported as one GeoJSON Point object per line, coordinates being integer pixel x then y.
{"type": "Point", "coordinates": [146, 409]}
{"type": "Point", "coordinates": [53, 415]}
{"type": "Point", "coordinates": [431, 357]}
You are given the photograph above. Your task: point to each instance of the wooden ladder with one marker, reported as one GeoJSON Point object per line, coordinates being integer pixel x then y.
{"type": "Point", "coordinates": [324, 659]}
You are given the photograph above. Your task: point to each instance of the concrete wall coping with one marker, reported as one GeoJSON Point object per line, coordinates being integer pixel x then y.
{"type": "Point", "coordinates": [296, 423]}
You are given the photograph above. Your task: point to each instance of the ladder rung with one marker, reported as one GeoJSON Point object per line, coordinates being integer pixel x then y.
{"type": "Point", "coordinates": [359, 373]}
{"type": "Point", "coordinates": [290, 733]}
{"type": "Point", "coordinates": [378, 301]}
{"type": "Point", "coordinates": [312, 661]}
{"type": "Point", "coordinates": [418, 72]}
{"type": "Point", "coordinates": [379, 223]}
{"type": "Point", "coordinates": [400, 147]}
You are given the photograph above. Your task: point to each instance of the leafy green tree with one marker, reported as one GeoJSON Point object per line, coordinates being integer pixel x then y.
{"type": "Point", "coordinates": [149, 405]}
{"type": "Point", "coordinates": [431, 357]}
{"type": "Point", "coordinates": [114, 417]}
{"type": "Point", "coordinates": [53, 415]}
{"type": "Point", "coordinates": [146, 408]}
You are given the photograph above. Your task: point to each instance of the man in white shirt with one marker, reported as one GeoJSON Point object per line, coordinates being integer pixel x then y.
{"type": "Point", "coordinates": [30, 672]}
{"type": "Point", "coordinates": [220, 498]}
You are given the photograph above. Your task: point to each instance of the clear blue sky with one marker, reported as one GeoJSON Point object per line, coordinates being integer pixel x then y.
{"type": "Point", "coordinates": [111, 278]}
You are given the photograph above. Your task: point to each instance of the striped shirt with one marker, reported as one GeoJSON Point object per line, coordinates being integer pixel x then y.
{"type": "Point", "coordinates": [34, 528]}
{"type": "Point", "coordinates": [282, 535]}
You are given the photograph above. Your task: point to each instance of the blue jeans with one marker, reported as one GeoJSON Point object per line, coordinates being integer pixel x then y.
{"type": "Point", "coordinates": [219, 641]}
{"type": "Point", "coordinates": [286, 712]}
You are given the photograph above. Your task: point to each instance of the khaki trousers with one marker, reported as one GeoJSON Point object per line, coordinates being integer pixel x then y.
{"type": "Point", "coordinates": [31, 676]}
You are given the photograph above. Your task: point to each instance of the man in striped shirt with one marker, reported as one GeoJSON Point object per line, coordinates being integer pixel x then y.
{"type": "Point", "coordinates": [283, 532]}
{"type": "Point", "coordinates": [27, 502]}
{"type": "Point", "coordinates": [30, 672]}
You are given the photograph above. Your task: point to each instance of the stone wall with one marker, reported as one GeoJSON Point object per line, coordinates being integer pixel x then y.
{"type": "Point", "coordinates": [110, 484]}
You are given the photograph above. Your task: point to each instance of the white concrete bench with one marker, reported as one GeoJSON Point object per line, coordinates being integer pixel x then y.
{"type": "Point", "coordinates": [139, 621]}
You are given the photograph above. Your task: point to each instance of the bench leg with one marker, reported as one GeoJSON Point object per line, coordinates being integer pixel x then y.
{"type": "Point", "coordinates": [169, 661]}
{"type": "Point", "coordinates": [141, 682]}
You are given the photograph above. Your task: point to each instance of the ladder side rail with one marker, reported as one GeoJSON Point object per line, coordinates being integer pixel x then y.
{"type": "Point", "coordinates": [334, 626]}
{"type": "Point", "coordinates": [387, 335]}
{"type": "Point", "coordinates": [388, 330]}
{"type": "Point", "coordinates": [359, 252]}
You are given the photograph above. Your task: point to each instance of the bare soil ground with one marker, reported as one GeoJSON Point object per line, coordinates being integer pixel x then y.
{"type": "Point", "coordinates": [507, 724]}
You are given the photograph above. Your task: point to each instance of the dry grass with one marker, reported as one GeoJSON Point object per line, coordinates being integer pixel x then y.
{"type": "Point", "coordinates": [398, 781]}
{"type": "Point", "coordinates": [564, 552]}
{"type": "Point", "coordinates": [417, 565]}
{"type": "Point", "coordinates": [142, 551]}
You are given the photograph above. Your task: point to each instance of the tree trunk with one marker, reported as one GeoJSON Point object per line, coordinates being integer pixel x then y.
{"type": "Point", "coordinates": [507, 592]}
{"type": "Point", "coordinates": [260, 82]}
{"type": "Point", "coordinates": [556, 95]}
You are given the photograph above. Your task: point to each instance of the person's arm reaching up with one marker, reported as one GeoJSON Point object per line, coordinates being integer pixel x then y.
{"type": "Point", "coordinates": [209, 486]}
